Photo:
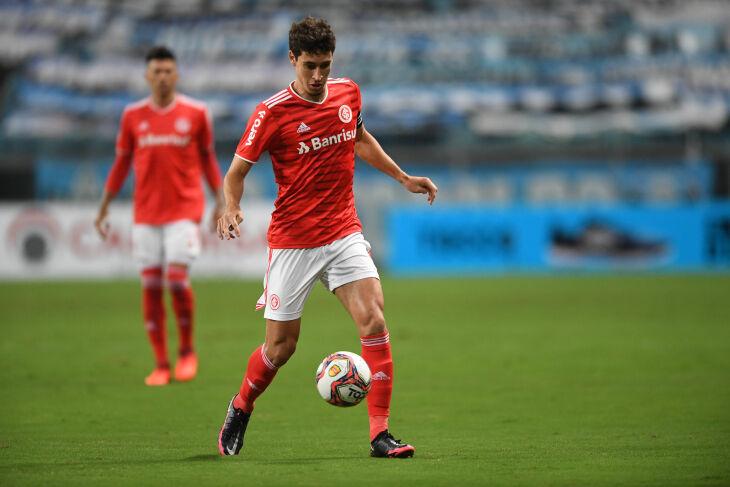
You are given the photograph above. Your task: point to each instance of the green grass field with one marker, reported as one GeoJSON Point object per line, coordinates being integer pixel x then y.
{"type": "Point", "coordinates": [541, 381]}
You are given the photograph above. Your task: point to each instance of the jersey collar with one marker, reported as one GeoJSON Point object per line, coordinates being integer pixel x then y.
{"type": "Point", "coordinates": [326, 94]}
{"type": "Point", "coordinates": [163, 110]}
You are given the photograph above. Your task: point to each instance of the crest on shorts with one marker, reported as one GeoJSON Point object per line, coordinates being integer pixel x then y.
{"type": "Point", "coordinates": [274, 302]}
{"type": "Point", "coordinates": [182, 125]}
{"type": "Point", "coordinates": [345, 114]}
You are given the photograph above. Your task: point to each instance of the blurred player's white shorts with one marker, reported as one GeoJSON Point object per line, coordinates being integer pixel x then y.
{"type": "Point", "coordinates": [292, 274]}
{"type": "Point", "coordinates": [157, 245]}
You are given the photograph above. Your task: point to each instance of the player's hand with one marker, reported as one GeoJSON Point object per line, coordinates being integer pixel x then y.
{"type": "Point", "coordinates": [215, 216]}
{"type": "Point", "coordinates": [422, 185]}
{"type": "Point", "coordinates": [228, 224]}
{"type": "Point", "coordinates": [102, 224]}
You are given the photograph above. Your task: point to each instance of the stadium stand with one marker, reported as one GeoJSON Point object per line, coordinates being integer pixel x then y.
{"type": "Point", "coordinates": [501, 80]}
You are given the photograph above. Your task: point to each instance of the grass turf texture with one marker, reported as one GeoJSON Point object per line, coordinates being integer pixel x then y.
{"type": "Point", "coordinates": [541, 381]}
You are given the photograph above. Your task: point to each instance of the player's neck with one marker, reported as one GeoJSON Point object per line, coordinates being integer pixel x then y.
{"type": "Point", "coordinates": [163, 101]}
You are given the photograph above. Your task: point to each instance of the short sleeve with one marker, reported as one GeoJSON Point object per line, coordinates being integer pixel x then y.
{"type": "Point", "coordinates": [260, 132]}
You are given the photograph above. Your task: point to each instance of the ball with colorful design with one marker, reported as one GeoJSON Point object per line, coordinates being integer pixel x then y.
{"type": "Point", "coordinates": [343, 379]}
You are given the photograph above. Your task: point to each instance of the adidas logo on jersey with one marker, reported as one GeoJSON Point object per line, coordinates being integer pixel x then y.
{"type": "Point", "coordinates": [302, 128]}
{"type": "Point", "coordinates": [318, 143]}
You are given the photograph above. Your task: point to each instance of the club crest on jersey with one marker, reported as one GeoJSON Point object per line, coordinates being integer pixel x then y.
{"type": "Point", "coordinates": [182, 125]}
{"type": "Point", "coordinates": [345, 114]}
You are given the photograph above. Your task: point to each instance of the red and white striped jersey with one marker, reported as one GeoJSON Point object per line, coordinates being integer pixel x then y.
{"type": "Point", "coordinates": [312, 149]}
{"type": "Point", "coordinates": [169, 148]}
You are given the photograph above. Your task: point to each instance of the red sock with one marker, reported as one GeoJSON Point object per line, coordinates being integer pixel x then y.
{"type": "Point", "coordinates": [153, 311]}
{"type": "Point", "coordinates": [376, 352]}
{"type": "Point", "coordinates": [259, 375]}
{"type": "Point", "coordinates": [183, 302]}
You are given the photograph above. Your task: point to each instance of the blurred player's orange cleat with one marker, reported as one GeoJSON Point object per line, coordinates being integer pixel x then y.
{"type": "Point", "coordinates": [186, 367]}
{"type": "Point", "coordinates": [158, 377]}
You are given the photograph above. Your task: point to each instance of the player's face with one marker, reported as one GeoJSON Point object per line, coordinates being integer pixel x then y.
{"type": "Point", "coordinates": [162, 76]}
{"type": "Point", "coordinates": [312, 73]}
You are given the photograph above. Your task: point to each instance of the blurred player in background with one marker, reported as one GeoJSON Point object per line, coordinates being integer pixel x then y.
{"type": "Point", "coordinates": [312, 130]}
{"type": "Point", "coordinates": [168, 139]}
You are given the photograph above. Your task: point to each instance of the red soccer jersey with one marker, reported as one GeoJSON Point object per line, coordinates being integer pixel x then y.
{"type": "Point", "coordinates": [312, 149]}
{"type": "Point", "coordinates": [169, 148]}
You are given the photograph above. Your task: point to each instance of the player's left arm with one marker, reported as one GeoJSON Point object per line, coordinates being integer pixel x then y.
{"type": "Point", "coordinates": [369, 150]}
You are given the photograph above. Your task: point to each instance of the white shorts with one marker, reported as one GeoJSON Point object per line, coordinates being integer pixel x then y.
{"type": "Point", "coordinates": [292, 274]}
{"type": "Point", "coordinates": [156, 245]}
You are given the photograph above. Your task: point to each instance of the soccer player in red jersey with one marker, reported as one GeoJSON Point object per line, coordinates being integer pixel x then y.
{"type": "Point", "coordinates": [168, 139]}
{"type": "Point", "coordinates": [312, 130]}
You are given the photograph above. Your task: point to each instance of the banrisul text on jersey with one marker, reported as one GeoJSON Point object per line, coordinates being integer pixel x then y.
{"type": "Point", "coordinates": [317, 143]}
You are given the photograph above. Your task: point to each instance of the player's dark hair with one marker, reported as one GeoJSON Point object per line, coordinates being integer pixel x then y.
{"type": "Point", "coordinates": [311, 35]}
{"type": "Point", "coordinates": [159, 52]}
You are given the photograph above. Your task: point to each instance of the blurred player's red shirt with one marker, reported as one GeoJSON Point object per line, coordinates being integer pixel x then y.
{"type": "Point", "coordinates": [312, 149]}
{"type": "Point", "coordinates": [169, 148]}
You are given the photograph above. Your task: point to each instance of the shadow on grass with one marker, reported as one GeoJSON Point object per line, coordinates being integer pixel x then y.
{"type": "Point", "coordinates": [206, 457]}
{"type": "Point", "coordinates": [271, 461]}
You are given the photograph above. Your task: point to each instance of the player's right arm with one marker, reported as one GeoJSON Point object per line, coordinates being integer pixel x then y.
{"type": "Point", "coordinates": [117, 174]}
{"type": "Point", "coordinates": [260, 131]}
{"type": "Point", "coordinates": [232, 193]}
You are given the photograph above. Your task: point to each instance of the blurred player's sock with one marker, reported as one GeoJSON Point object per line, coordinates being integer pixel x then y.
{"type": "Point", "coordinates": [183, 302]}
{"type": "Point", "coordinates": [376, 352]}
{"type": "Point", "coordinates": [153, 310]}
{"type": "Point", "coordinates": [259, 374]}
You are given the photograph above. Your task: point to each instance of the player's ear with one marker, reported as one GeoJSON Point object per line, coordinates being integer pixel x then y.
{"type": "Point", "coordinates": [292, 58]}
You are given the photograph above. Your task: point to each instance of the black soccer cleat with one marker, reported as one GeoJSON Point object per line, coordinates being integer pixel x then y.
{"type": "Point", "coordinates": [230, 439]}
{"type": "Point", "coordinates": [384, 445]}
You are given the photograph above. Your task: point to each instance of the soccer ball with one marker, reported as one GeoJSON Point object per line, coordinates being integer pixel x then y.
{"type": "Point", "coordinates": [343, 379]}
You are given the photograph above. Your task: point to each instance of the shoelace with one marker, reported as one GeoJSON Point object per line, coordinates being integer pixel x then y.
{"type": "Point", "coordinates": [388, 436]}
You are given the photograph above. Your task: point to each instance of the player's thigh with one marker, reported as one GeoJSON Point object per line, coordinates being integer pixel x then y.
{"type": "Point", "coordinates": [363, 299]}
{"type": "Point", "coordinates": [353, 277]}
{"type": "Point", "coordinates": [181, 240]}
{"type": "Point", "coordinates": [147, 246]}
{"type": "Point", "coordinates": [290, 277]}
{"type": "Point", "coordinates": [349, 260]}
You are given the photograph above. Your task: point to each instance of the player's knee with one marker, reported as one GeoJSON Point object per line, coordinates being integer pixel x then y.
{"type": "Point", "coordinates": [373, 322]}
{"type": "Point", "coordinates": [280, 352]}
{"type": "Point", "coordinates": [177, 278]}
{"type": "Point", "coordinates": [152, 278]}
